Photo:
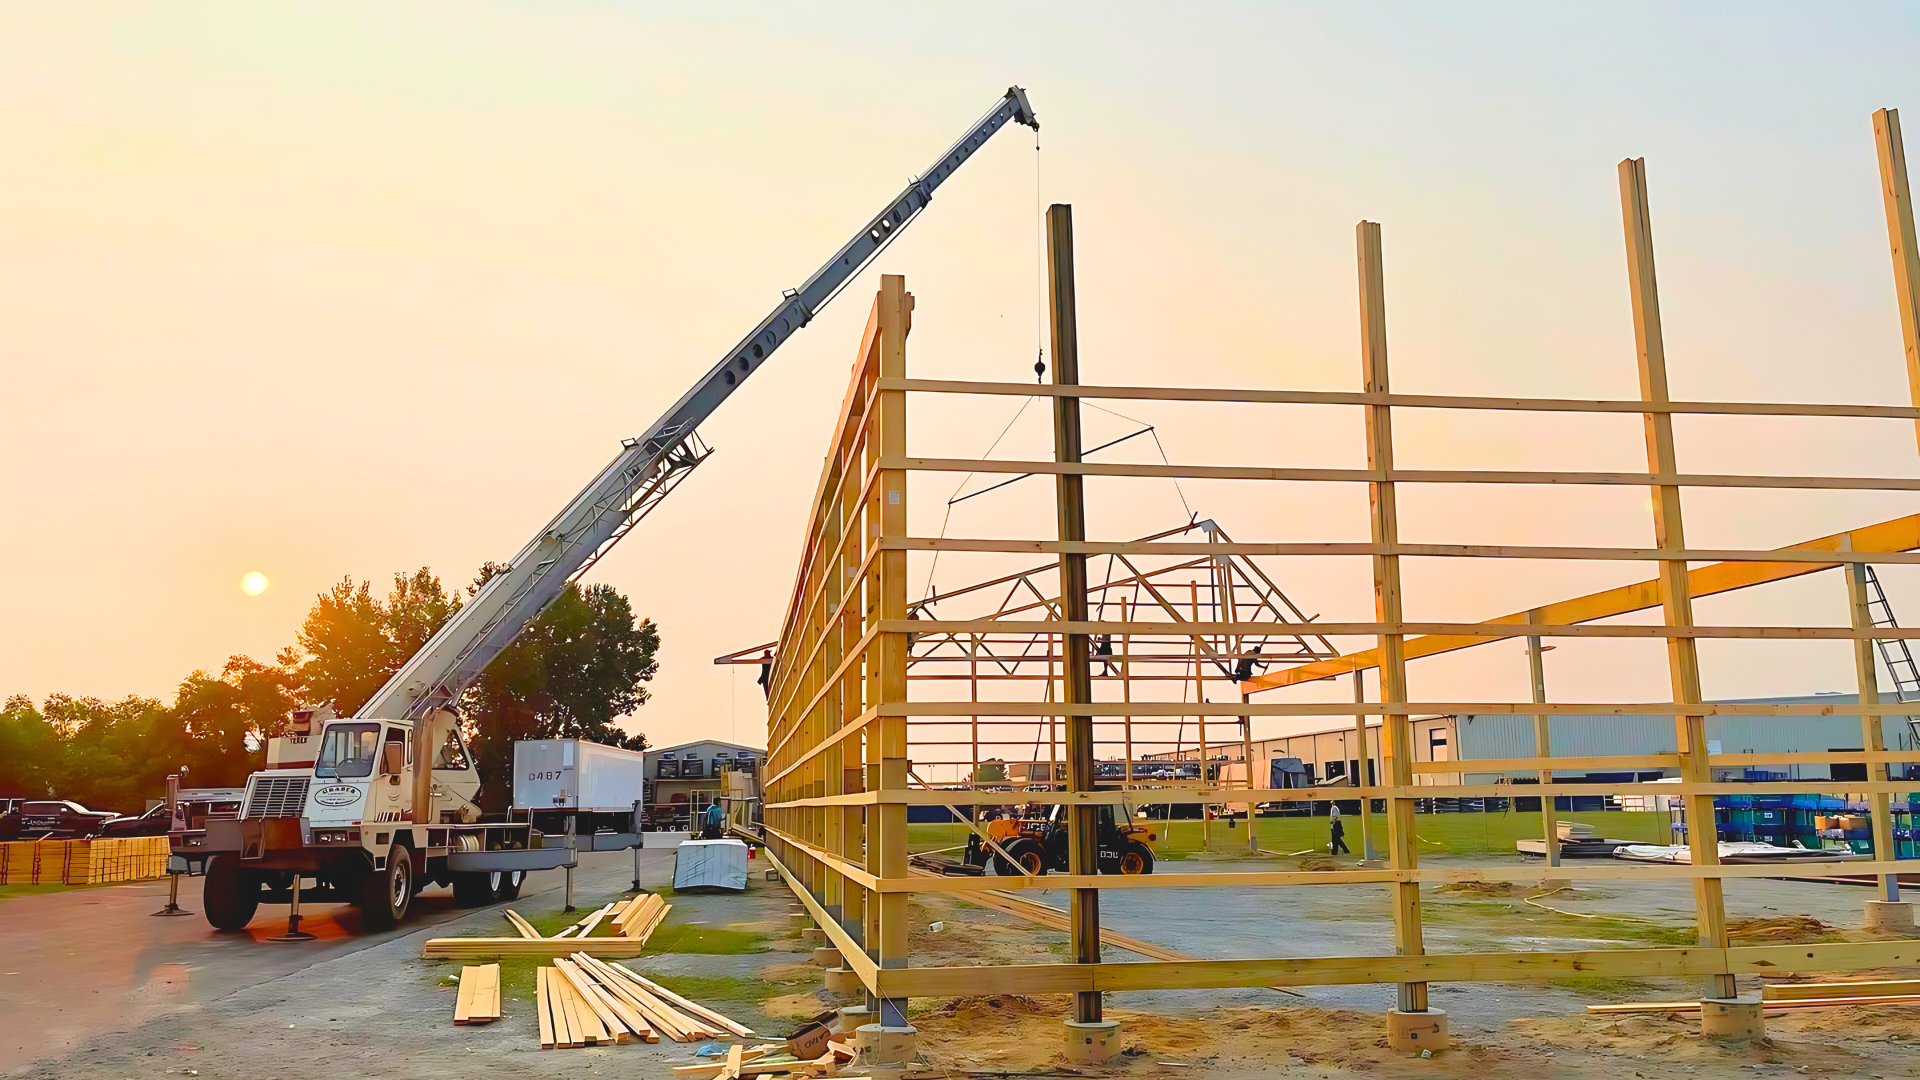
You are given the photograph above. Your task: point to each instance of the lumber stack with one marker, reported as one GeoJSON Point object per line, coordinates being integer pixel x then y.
{"type": "Point", "coordinates": [632, 921]}
{"type": "Point", "coordinates": [584, 1001]}
{"type": "Point", "coordinates": [639, 916]}
{"type": "Point", "coordinates": [83, 862]}
{"type": "Point", "coordinates": [765, 1060]}
{"type": "Point", "coordinates": [479, 1000]}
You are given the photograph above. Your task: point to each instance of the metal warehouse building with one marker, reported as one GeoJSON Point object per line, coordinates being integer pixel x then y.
{"type": "Point", "coordinates": [1333, 752]}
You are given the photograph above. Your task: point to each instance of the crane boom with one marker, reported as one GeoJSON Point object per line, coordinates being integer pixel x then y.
{"type": "Point", "coordinates": [650, 466]}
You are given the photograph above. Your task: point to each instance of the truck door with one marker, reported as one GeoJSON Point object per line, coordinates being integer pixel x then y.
{"type": "Point", "coordinates": [393, 789]}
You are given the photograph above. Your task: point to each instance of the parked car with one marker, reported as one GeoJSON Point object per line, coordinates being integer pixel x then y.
{"type": "Point", "coordinates": [60, 820]}
{"type": "Point", "coordinates": [157, 821]}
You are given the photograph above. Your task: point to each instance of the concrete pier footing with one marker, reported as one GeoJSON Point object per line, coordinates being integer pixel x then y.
{"type": "Point", "coordinates": [875, 1044]}
{"type": "Point", "coordinates": [1092, 1044]}
{"type": "Point", "coordinates": [1734, 1019]}
{"type": "Point", "coordinates": [1417, 1031]}
{"type": "Point", "coordinates": [1895, 915]}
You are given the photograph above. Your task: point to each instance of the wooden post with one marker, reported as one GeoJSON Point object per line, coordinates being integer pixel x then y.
{"type": "Point", "coordinates": [1676, 600]}
{"type": "Point", "coordinates": [1542, 740]}
{"type": "Point", "coordinates": [1396, 742]}
{"type": "Point", "coordinates": [1083, 836]}
{"type": "Point", "coordinates": [889, 583]}
{"type": "Point", "coordinates": [1872, 734]}
{"type": "Point", "coordinates": [1906, 254]}
{"type": "Point", "coordinates": [1360, 739]}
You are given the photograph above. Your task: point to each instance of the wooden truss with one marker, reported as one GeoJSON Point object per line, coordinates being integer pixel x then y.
{"type": "Point", "coordinates": [840, 771]}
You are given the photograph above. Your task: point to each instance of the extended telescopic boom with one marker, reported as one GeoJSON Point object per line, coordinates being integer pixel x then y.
{"type": "Point", "coordinates": [648, 467]}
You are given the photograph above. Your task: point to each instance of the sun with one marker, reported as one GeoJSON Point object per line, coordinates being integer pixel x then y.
{"type": "Point", "coordinates": [254, 583]}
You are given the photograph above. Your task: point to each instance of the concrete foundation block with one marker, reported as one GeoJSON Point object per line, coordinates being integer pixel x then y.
{"type": "Point", "coordinates": [875, 1044]}
{"type": "Point", "coordinates": [842, 981]}
{"type": "Point", "coordinates": [1412, 1032]}
{"type": "Point", "coordinates": [827, 957]}
{"type": "Point", "coordinates": [1092, 1044]}
{"type": "Point", "coordinates": [1894, 915]}
{"type": "Point", "coordinates": [1735, 1019]}
{"type": "Point", "coordinates": [812, 935]}
{"type": "Point", "coordinates": [852, 1018]}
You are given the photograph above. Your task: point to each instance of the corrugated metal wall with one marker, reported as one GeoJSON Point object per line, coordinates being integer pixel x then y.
{"type": "Point", "coordinates": [1507, 736]}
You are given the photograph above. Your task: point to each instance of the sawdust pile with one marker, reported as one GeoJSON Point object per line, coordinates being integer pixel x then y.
{"type": "Point", "coordinates": [1476, 888]}
{"type": "Point", "coordinates": [1787, 928]}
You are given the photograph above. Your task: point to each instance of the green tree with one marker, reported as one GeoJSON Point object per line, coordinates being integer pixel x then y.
{"type": "Point", "coordinates": [351, 643]}
{"type": "Point", "coordinates": [227, 718]}
{"type": "Point", "coordinates": [115, 754]}
{"type": "Point", "coordinates": [32, 753]}
{"type": "Point", "coordinates": [573, 673]}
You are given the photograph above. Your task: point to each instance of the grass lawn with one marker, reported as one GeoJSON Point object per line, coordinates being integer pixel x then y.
{"type": "Point", "coordinates": [1452, 834]}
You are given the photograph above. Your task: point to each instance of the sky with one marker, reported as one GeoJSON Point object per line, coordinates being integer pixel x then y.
{"type": "Point", "coordinates": [342, 289]}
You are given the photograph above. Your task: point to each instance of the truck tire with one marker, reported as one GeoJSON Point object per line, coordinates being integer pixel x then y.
{"type": "Point", "coordinates": [1135, 858]}
{"type": "Point", "coordinates": [385, 895]}
{"type": "Point", "coordinates": [473, 888]}
{"type": "Point", "coordinates": [231, 896]}
{"type": "Point", "coordinates": [507, 884]}
{"type": "Point", "coordinates": [1031, 859]}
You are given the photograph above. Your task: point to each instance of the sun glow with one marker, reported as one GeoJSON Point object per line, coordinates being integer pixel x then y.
{"type": "Point", "coordinates": [254, 583]}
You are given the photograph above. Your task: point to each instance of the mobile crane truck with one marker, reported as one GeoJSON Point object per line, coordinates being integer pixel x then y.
{"type": "Point", "coordinates": [374, 806]}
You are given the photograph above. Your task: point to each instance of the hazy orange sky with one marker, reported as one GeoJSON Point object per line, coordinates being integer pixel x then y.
{"type": "Point", "coordinates": [328, 289]}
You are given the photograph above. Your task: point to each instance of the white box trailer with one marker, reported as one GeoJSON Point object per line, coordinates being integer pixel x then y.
{"type": "Point", "coordinates": [575, 774]}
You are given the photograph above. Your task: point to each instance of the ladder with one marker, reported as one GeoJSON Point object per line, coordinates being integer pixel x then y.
{"type": "Point", "coordinates": [1894, 652]}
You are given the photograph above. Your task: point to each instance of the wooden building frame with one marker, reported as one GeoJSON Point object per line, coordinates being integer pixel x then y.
{"type": "Point", "coordinates": [839, 777]}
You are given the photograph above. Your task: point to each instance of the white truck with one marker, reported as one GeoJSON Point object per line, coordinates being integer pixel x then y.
{"type": "Point", "coordinates": [372, 807]}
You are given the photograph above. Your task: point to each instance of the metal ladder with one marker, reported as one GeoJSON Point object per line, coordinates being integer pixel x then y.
{"type": "Point", "coordinates": [1894, 652]}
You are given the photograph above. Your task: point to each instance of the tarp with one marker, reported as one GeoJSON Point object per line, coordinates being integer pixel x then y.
{"type": "Point", "coordinates": [719, 864]}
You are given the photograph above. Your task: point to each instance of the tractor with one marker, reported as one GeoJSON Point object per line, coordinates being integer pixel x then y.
{"type": "Point", "coordinates": [1039, 844]}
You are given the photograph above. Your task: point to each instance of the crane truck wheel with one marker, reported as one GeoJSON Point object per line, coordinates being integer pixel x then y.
{"type": "Point", "coordinates": [474, 888]}
{"type": "Point", "coordinates": [506, 884]}
{"type": "Point", "coordinates": [386, 894]}
{"type": "Point", "coordinates": [231, 896]}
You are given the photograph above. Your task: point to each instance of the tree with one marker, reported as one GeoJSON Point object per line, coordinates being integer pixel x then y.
{"type": "Point", "coordinates": [227, 719]}
{"type": "Point", "coordinates": [113, 754]}
{"type": "Point", "coordinates": [32, 754]}
{"type": "Point", "coordinates": [351, 643]}
{"type": "Point", "coordinates": [577, 669]}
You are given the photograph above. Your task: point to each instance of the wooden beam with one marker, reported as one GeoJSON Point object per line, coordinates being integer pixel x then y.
{"type": "Point", "coordinates": [1898, 201]}
{"type": "Point", "coordinates": [1170, 548]}
{"type": "Point", "coordinates": [1404, 401]}
{"type": "Point", "coordinates": [1900, 534]}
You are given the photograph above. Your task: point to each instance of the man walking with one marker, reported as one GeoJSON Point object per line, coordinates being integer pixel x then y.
{"type": "Point", "coordinates": [714, 820]}
{"type": "Point", "coordinates": [1339, 845]}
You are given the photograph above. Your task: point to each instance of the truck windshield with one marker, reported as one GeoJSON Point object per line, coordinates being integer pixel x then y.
{"type": "Point", "coordinates": [347, 750]}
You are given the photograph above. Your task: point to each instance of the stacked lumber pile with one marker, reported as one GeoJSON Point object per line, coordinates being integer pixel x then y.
{"type": "Point", "coordinates": [584, 1001]}
{"type": "Point", "coordinates": [1784, 996]}
{"type": "Point", "coordinates": [82, 862]}
{"type": "Point", "coordinates": [479, 1000]}
{"type": "Point", "coordinates": [632, 922]}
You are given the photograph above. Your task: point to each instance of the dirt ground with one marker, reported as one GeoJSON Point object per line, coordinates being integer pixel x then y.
{"type": "Point", "coordinates": [383, 1010]}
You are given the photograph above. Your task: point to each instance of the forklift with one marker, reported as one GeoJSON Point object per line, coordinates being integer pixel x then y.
{"type": "Point", "coordinates": [1039, 844]}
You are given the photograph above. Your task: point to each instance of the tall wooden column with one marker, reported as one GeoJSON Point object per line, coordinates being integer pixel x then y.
{"type": "Point", "coordinates": [1906, 255]}
{"type": "Point", "coordinates": [1083, 837]}
{"type": "Point", "coordinates": [1396, 731]}
{"type": "Point", "coordinates": [1676, 598]}
{"type": "Point", "coordinates": [887, 583]}
{"type": "Point", "coordinates": [1873, 735]}
{"type": "Point", "coordinates": [1543, 738]}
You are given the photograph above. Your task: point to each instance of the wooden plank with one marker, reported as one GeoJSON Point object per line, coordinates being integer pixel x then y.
{"type": "Point", "coordinates": [1897, 535]}
{"type": "Point", "coordinates": [566, 1020]}
{"type": "Point", "coordinates": [631, 1010]}
{"type": "Point", "coordinates": [678, 1026]}
{"type": "Point", "coordinates": [543, 1007]}
{"type": "Point", "coordinates": [731, 1071]}
{"type": "Point", "coordinates": [1491, 631]}
{"type": "Point", "coordinates": [1881, 988]}
{"type": "Point", "coordinates": [521, 925]}
{"type": "Point", "coordinates": [466, 948]}
{"type": "Point", "coordinates": [671, 998]}
{"type": "Point", "coordinates": [486, 1006]}
{"type": "Point", "coordinates": [1402, 401]}
{"type": "Point", "coordinates": [1399, 476]}
{"type": "Point", "coordinates": [602, 1007]}
{"type": "Point", "coordinates": [1898, 201]}
{"type": "Point", "coordinates": [1320, 549]}
{"type": "Point", "coordinates": [464, 1000]}
{"type": "Point", "coordinates": [1769, 1005]}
